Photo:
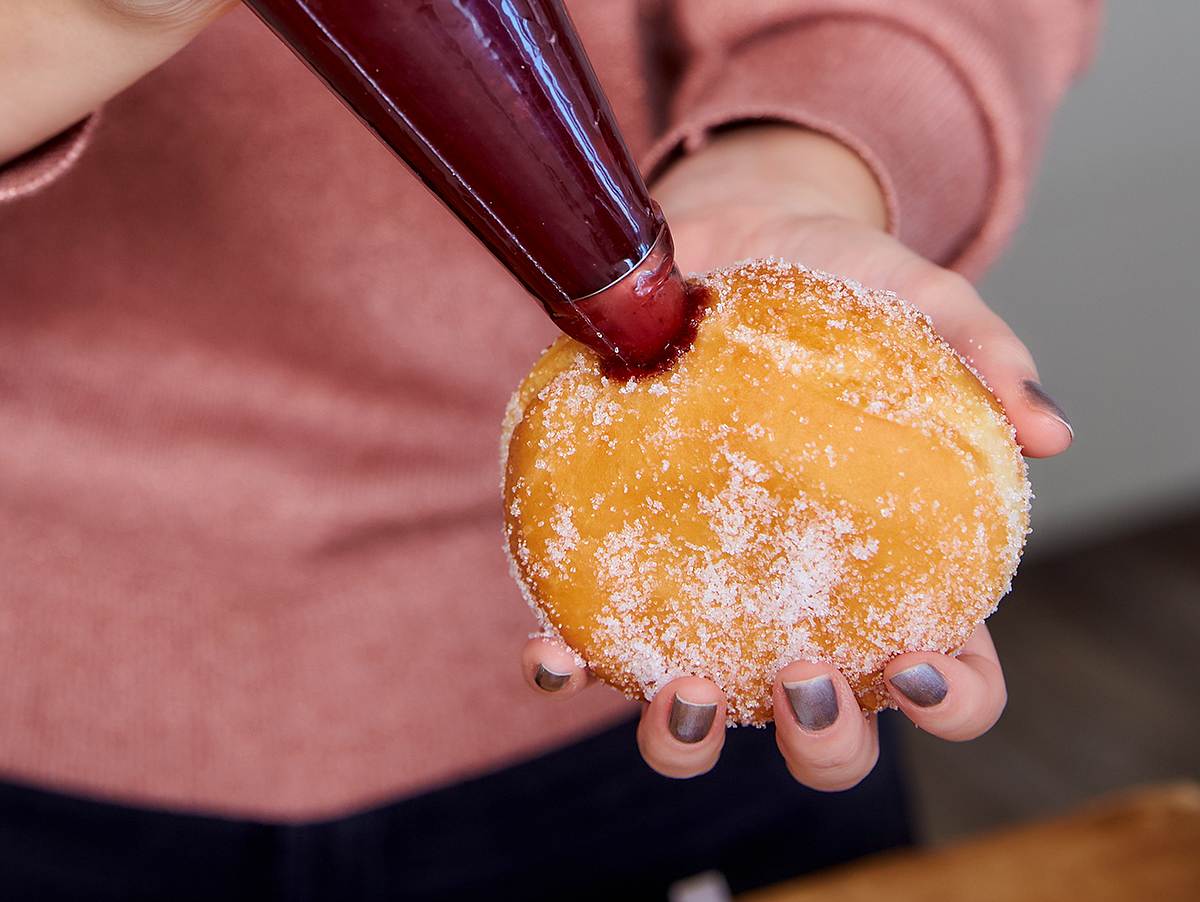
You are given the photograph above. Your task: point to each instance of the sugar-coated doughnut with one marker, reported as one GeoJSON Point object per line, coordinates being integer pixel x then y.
{"type": "Point", "coordinates": [820, 477]}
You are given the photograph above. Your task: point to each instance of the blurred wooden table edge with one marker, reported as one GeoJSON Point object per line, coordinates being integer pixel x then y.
{"type": "Point", "coordinates": [1140, 845]}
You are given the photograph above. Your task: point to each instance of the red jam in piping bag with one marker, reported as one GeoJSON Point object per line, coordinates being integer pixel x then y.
{"type": "Point", "coordinates": [494, 104]}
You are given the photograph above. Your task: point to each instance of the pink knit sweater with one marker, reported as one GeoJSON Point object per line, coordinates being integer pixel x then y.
{"type": "Point", "coordinates": [250, 557]}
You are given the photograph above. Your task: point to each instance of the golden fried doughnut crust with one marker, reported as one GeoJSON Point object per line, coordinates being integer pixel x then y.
{"type": "Point", "coordinates": [819, 477]}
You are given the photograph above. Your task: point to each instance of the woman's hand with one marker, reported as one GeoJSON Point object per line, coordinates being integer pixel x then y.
{"type": "Point", "coordinates": [785, 192]}
{"type": "Point", "coordinates": [62, 59]}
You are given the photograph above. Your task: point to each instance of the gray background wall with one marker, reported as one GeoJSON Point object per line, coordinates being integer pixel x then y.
{"type": "Point", "coordinates": [1103, 280]}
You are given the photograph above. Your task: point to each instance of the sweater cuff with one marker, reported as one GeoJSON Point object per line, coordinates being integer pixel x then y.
{"type": "Point", "coordinates": [877, 88]}
{"type": "Point", "coordinates": [46, 163]}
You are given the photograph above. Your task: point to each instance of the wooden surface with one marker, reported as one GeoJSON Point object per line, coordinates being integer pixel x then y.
{"type": "Point", "coordinates": [1101, 648]}
{"type": "Point", "coordinates": [1140, 846]}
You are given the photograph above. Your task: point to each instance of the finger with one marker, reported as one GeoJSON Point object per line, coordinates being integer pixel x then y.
{"type": "Point", "coordinates": [826, 741]}
{"type": "Point", "coordinates": [170, 13]}
{"type": "Point", "coordinates": [993, 349]}
{"type": "Point", "coordinates": [551, 669]}
{"type": "Point", "coordinates": [682, 731]}
{"type": "Point", "coordinates": [956, 698]}
{"type": "Point", "coordinates": [76, 56]}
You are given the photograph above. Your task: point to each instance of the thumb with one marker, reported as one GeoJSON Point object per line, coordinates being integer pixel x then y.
{"type": "Point", "coordinates": [1002, 359]}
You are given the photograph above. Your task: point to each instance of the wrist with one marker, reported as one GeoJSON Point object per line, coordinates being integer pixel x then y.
{"type": "Point", "coordinates": [772, 164]}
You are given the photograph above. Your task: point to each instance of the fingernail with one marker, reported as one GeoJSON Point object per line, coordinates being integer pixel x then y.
{"type": "Point", "coordinates": [550, 680]}
{"type": "Point", "coordinates": [690, 722]}
{"type": "Point", "coordinates": [1038, 397]}
{"type": "Point", "coordinates": [922, 685]}
{"type": "Point", "coordinates": [814, 702]}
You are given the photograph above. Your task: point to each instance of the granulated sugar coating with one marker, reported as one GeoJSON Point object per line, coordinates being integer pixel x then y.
{"type": "Point", "coordinates": [819, 477]}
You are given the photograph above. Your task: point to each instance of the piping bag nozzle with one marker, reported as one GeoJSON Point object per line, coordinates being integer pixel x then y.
{"type": "Point", "coordinates": [634, 320]}
{"type": "Point", "coordinates": [495, 106]}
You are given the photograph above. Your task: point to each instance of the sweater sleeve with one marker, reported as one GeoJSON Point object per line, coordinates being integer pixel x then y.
{"type": "Point", "coordinates": [46, 163]}
{"type": "Point", "coordinates": [946, 100]}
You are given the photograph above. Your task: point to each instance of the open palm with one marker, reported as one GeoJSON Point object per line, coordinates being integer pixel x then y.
{"type": "Point", "coordinates": [719, 221]}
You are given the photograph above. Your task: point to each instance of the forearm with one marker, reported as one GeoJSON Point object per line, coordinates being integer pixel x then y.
{"type": "Point", "coordinates": [61, 59]}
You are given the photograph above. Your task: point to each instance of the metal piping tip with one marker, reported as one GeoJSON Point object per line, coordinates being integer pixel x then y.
{"type": "Point", "coordinates": [634, 319]}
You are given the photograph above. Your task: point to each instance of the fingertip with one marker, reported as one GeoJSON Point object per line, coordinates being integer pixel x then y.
{"type": "Point", "coordinates": [826, 741]}
{"type": "Point", "coordinates": [813, 695]}
{"type": "Point", "coordinates": [695, 706]}
{"type": "Point", "coordinates": [921, 684]}
{"type": "Point", "coordinates": [551, 669]}
{"type": "Point", "coordinates": [953, 698]}
{"type": "Point", "coordinates": [1045, 430]}
{"type": "Point", "coordinates": [682, 730]}
{"type": "Point", "coordinates": [186, 15]}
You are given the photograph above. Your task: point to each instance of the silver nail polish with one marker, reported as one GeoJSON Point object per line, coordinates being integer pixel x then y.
{"type": "Point", "coordinates": [1040, 398]}
{"type": "Point", "coordinates": [549, 680]}
{"type": "Point", "coordinates": [814, 702]}
{"type": "Point", "coordinates": [690, 722]}
{"type": "Point", "coordinates": [923, 685]}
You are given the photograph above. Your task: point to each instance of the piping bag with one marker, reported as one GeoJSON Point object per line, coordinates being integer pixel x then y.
{"type": "Point", "coordinates": [495, 106]}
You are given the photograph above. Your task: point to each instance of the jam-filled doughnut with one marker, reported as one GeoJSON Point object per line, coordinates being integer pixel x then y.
{"type": "Point", "coordinates": [820, 476]}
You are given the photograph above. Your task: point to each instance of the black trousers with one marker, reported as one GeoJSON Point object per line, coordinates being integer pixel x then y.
{"type": "Point", "coordinates": [582, 822]}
